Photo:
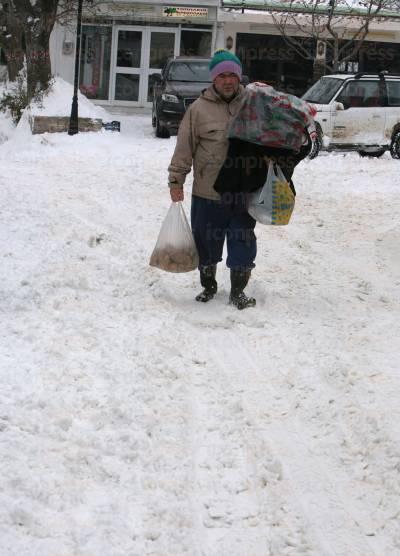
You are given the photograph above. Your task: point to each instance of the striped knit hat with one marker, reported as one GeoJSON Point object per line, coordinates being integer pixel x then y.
{"type": "Point", "coordinates": [224, 61]}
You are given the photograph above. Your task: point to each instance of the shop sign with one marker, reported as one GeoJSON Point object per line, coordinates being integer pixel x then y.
{"type": "Point", "coordinates": [181, 11]}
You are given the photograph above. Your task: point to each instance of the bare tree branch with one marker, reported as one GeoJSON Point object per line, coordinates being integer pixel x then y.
{"type": "Point", "coordinates": [326, 20]}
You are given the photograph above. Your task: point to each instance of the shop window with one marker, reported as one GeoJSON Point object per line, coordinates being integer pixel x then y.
{"type": "Point", "coordinates": [127, 87]}
{"type": "Point", "coordinates": [129, 49]}
{"type": "Point", "coordinates": [348, 67]}
{"type": "Point", "coordinates": [95, 61]}
{"type": "Point", "coordinates": [270, 59]}
{"type": "Point", "coordinates": [371, 58]}
{"type": "Point", "coordinates": [377, 56]}
{"type": "Point", "coordinates": [161, 48]}
{"type": "Point", "coordinates": [195, 43]}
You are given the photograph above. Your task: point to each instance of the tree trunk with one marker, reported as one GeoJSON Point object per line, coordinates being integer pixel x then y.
{"type": "Point", "coordinates": [15, 57]}
{"type": "Point", "coordinates": [37, 63]}
{"type": "Point", "coordinates": [11, 40]}
{"type": "Point", "coordinates": [319, 69]}
{"type": "Point", "coordinates": [38, 20]}
{"type": "Point", "coordinates": [15, 62]}
{"type": "Point", "coordinates": [335, 55]}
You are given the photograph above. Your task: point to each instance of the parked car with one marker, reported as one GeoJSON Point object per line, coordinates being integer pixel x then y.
{"type": "Point", "coordinates": [179, 84]}
{"type": "Point", "coordinates": [358, 112]}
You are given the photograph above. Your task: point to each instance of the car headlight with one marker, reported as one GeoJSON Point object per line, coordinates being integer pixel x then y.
{"type": "Point", "coordinates": [169, 98]}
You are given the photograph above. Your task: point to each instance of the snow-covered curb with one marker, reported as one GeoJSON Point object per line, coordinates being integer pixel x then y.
{"type": "Point", "coordinates": [57, 102]}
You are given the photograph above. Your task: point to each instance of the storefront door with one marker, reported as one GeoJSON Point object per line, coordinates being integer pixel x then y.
{"type": "Point", "coordinates": [139, 52]}
{"type": "Point", "coordinates": [163, 43]}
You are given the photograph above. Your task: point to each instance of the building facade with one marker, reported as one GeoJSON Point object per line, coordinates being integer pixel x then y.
{"type": "Point", "coordinates": [267, 56]}
{"type": "Point", "coordinates": [125, 43]}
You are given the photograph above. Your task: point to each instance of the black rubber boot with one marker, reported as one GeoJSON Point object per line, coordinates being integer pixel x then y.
{"type": "Point", "coordinates": [209, 283]}
{"type": "Point", "coordinates": [237, 297]}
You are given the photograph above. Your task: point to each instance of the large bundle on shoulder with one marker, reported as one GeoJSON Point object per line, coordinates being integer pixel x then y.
{"type": "Point", "coordinates": [268, 137]}
{"type": "Point", "coordinates": [272, 118]}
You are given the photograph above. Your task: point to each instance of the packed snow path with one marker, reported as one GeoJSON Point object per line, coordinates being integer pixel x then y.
{"type": "Point", "coordinates": [135, 421]}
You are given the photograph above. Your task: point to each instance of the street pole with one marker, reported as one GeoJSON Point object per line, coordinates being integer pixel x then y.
{"type": "Point", "coordinates": [73, 122]}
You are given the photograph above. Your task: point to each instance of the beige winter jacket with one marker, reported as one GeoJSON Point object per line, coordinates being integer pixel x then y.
{"type": "Point", "coordinates": [202, 141]}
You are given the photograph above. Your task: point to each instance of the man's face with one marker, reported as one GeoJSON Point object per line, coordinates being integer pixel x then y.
{"type": "Point", "coordinates": [226, 84]}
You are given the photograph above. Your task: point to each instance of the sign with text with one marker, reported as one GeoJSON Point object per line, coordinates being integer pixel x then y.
{"type": "Point", "coordinates": [181, 11]}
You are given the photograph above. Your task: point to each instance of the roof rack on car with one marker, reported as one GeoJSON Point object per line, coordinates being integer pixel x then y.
{"type": "Point", "coordinates": [382, 74]}
{"type": "Point", "coordinates": [365, 73]}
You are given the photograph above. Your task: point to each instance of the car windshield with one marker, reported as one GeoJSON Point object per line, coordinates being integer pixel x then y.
{"type": "Point", "coordinates": [323, 90]}
{"type": "Point", "coordinates": [196, 71]}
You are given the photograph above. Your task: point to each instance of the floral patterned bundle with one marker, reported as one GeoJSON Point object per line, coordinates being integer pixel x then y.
{"type": "Point", "coordinates": [272, 118]}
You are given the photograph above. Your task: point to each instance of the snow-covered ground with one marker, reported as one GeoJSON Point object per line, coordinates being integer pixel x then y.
{"type": "Point", "coordinates": [135, 421]}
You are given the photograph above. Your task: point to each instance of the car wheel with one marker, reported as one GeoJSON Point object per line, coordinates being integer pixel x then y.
{"type": "Point", "coordinates": [316, 145]}
{"type": "Point", "coordinates": [153, 117]}
{"type": "Point", "coordinates": [395, 145]}
{"type": "Point", "coordinates": [161, 131]}
{"type": "Point", "coordinates": [372, 154]}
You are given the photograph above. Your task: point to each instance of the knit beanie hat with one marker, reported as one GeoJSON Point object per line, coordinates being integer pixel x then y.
{"type": "Point", "coordinates": [224, 61]}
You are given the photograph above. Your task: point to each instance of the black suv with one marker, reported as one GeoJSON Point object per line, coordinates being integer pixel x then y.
{"type": "Point", "coordinates": [180, 83]}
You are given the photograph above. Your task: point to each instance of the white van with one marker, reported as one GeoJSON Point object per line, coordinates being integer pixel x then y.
{"type": "Point", "coordinates": [358, 112]}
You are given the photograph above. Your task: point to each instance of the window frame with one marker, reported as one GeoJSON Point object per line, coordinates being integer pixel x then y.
{"type": "Point", "coordinates": [377, 82]}
{"type": "Point", "coordinates": [397, 81]}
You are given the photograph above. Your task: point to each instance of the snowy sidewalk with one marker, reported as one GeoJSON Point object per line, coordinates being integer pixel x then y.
{"type": "Point", "coordinates": [134, 421]}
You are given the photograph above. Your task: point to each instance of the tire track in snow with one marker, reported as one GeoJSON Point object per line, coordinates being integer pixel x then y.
{"type": "Point", "coordinates": [227, 498]}
{"type": "Point", "coordinates": [164, 517]}
{"type": "Point", "coordinates": [239, 479]}
{"type": "Point", "coordinates": [316, 495]}
{"type": "Point", "coordinates": [340, 413]}
{"type": "Point", "coordinates": [349, 436]}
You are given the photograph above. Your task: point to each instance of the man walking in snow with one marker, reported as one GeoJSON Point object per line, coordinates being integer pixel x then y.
{"type": "Point", "coordinates": [202, 141]}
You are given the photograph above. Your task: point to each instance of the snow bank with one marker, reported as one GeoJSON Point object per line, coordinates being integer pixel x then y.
{"type": "Point", "coordinates": [59, 100]}
{"type": "Point", "coordinates": [7, 127]}
{"type": "Point", "coordinates": [56, 103]}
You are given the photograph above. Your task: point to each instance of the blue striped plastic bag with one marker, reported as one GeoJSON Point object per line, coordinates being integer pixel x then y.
{"type": "Point", "coordinates": [273, 203]}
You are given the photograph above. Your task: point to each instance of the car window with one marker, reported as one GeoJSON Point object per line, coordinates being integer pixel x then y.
{"type": "Point", "coordinates": [323, 90]}
{"type": "Point", "coordinates": [360, 94]}
{"type": "Point", "coordinates": [393, 88]}
{"type": "Point", "coordinates": [189, 71]}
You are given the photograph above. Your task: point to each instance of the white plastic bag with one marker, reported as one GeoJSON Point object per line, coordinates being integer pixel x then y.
{"type": "Point", "coordinates": [175, 250]}
{"type": "Point", "coordinates": [273, 203]}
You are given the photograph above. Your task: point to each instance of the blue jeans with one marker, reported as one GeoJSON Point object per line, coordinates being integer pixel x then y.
{"type": "Point", "coordinates": [212, 223]}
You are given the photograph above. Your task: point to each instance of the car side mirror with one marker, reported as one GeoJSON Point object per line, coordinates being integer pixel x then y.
{"type": "Point", "coordinates": [156, 77]}
{"type": "Point", "coordinates": [245, 80]}
{"type": "Point", "coordinates": [339, 106]}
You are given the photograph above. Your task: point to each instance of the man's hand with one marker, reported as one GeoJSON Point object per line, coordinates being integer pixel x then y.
{"type": "Point", "coordinates": [176, 194]}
